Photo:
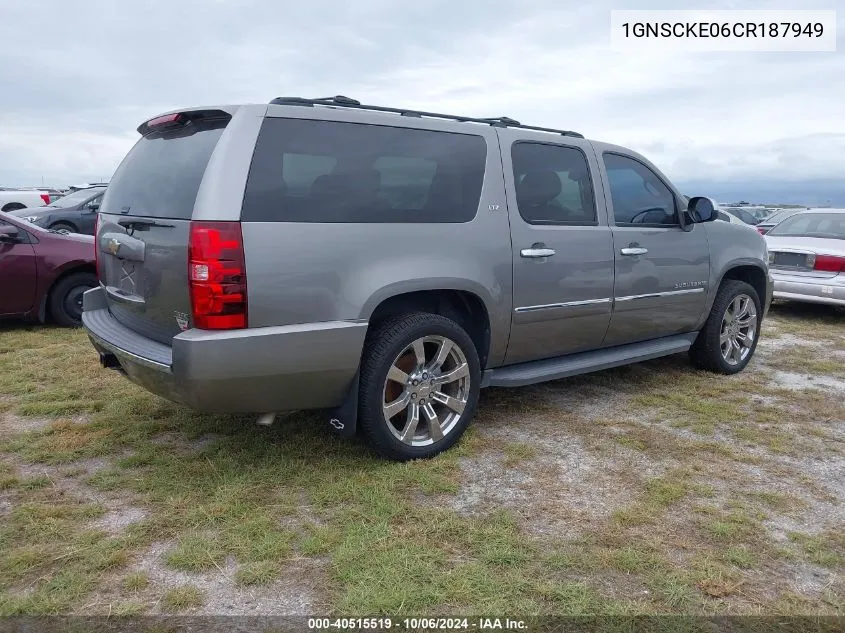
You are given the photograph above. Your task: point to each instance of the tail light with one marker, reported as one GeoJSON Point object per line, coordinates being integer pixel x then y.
{"type": "Point", "coordinates": [830, 263]}
{"type": "Point", "coordinates": [167, 119]}
{"type": "Point", "coordinates": [46, 198]}
{"type": "Point", "coordinates": [217, 275]}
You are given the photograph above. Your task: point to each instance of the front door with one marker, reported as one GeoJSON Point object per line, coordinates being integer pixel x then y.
{"type": "Point", "coordinates": [662, 270]}
{"type": "Point", "coordinates": [562, 248]}
{"type": "Point", "coordinates": [17, 270]}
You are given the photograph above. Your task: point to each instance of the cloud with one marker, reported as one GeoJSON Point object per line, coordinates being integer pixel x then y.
{"type": "Point", "coordinates": [77, 78]}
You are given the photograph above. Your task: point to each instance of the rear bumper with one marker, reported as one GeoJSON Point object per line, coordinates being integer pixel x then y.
{"type": "Point", "coordinates": [254, 370]}
{"type": "Point", "coordinates": [830, 291]}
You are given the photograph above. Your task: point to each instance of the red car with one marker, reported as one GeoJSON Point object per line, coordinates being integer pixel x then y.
{"type": "Point", "coordinates": [44, 272]}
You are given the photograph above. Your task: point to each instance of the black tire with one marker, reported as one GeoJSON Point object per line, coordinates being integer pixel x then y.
{"type": "Point", "coordinates": [382, 348]}
{"type": "Point", "coordinates": [13, 206]}
{"type": "Point", "coordinates": [63, 226]}
{"type": "Point", "coordinates": [707, 351]}
{"type": "Point", "coordinates": [66, 298]}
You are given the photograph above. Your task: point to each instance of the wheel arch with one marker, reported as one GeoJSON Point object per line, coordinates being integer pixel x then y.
{"type": "Point", "coordinates": [749, 270]}
{"type": "Point", "coordinates": [752, 274]}
{"type": "Point", "coordinates": [69, 270]}
{"type": "Point", "coordinates": [464, 307]}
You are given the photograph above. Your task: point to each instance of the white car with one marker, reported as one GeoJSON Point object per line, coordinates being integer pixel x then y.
{"type": "Point", "coordinates": [14, 199]}
{"type": "Point", "coordinates": [807, 257]}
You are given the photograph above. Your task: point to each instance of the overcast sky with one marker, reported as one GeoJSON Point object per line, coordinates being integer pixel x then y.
{"type": "Point", "coordinates": [76, 78]}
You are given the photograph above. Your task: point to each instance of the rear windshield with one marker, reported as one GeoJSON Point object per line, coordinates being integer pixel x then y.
{"type": "Point", "coordinates": [161, 175]}
{"type": "Point", "coordinates": [325, 171]}
{"type": "Point", "coordinates": [824, 225]}
{"type": "Point", "coordinates": [779, 216]}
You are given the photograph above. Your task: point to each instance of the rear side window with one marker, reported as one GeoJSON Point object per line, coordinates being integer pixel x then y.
{"type": "Point", "coordinates": [161, 175]}
{"type": "Point", "coordinates": [325, 171]}
{"type": "Point", "coordinates": [553, 184]}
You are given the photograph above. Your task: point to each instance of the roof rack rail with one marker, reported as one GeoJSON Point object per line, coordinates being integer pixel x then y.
{"type": "Point", "coordinates": [347, 102]}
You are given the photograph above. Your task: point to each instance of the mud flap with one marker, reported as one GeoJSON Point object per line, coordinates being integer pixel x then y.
{"type": "Point", "coordinates": [343, 420]}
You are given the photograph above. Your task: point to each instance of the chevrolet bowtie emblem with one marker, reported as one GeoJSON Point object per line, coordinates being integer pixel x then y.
{"type": "Point", "coordinates": [113, 246]}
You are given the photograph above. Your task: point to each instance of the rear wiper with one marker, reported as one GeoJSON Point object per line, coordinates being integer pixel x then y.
{"type": "Point", "coordinates": [142, 225]}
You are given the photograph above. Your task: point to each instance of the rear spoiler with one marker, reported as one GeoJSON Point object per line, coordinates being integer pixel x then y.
{"type": "Point", "coordinates": [180, 119]}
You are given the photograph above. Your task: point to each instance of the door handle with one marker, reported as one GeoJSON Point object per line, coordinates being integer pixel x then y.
{"type": "Point", "coordinates": [537, 250]}
{"type": "Point", "coordinates": [634, 250]}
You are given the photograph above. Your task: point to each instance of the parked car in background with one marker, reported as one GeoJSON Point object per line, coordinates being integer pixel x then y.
{"type": "Point", "coordinates": [55, 194]}
{"type": "Point", "coordinates": [88, 185]}
{"type": "Point", "coordinates": [764, 226]}
{"type": "Point", "coordinates": [760, 213]}
{"type": "Point", "coordinates": [807, 256]}
{"type": "Point", "coordinates": [75, 213]}
{"type": "Point", "coordinates": [728, 217]}
{"type": "Point", "coordinates": [743, 214]}
{"type": "Point", "coordinates": [14, 199]}
{"type": "Point", "coordinates": [314, 254]}
{"type": "Point", "coordinates": [43, 273]}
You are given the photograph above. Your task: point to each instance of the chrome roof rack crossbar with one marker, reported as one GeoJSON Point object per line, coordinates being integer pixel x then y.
{"type": "Point", "coordinates": [346, 102]}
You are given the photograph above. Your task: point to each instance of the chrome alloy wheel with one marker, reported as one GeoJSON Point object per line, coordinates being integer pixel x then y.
{"type": "Point", "coordinates": [426, 391]}
{"type": "Point", "coordinates": [739, 329]}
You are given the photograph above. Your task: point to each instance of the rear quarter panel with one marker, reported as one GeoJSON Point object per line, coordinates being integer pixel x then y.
{"type": "Point", "coordinates": [314, 272]}
{"type": "Point", "coordinates": [56, 256]}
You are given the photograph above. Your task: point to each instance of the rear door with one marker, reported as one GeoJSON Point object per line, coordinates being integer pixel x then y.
{"type": "Point", "coordinates": [562, 246]}
{"type": "Point", "coordinates": [662, 270]}
{"type": "Point", "coordinates": [144, 220]}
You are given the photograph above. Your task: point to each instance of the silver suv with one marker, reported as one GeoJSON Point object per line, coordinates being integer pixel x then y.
{"type": "Point", "coordinates": [386, 264]}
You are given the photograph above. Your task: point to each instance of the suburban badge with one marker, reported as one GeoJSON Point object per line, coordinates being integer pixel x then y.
{"type": "Point", "coordinates": [691, 284]}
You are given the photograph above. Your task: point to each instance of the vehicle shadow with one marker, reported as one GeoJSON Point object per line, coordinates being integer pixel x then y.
{"type": "Point", "coordinates": [20, 325]}
{"type": "Point", "coordinates": [797, 309]}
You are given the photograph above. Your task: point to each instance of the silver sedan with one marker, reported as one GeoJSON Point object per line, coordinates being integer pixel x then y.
{"type": "Point", "coordinates": [807, 257]}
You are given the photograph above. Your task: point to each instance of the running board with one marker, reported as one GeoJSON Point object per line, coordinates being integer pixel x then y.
{"type": "Point", "coordinates": [585, 362]}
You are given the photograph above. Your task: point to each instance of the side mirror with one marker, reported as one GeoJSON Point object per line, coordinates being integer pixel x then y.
{"type": "Point", "coordinates": [93, 207]}
{"type": "Point", "coordinates": [9, 235]}
{"type": "Point", "coordinates": [701, 209]}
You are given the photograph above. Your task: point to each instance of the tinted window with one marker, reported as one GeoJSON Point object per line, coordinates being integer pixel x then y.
{"type": "Point", "coordinates": [7, 228]}
{"type": "Point", "coordinates": [824, 225]}
{"type": "Point", "coordinates": [324, 171]}
{"type": "Point", "coordinates": [743, 215]}
{"type": "Point", "coordinates": [161, 175]}
{"type": "Point", "coordinates": [553, 184]}
{"type": "Point", "coordinates": [638, 195]}
{"type": "Point", "coordinates": [95, 202]}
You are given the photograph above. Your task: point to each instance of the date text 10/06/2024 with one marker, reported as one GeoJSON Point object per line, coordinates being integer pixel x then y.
{"type": "Point", "coordinates": [415, 624]}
